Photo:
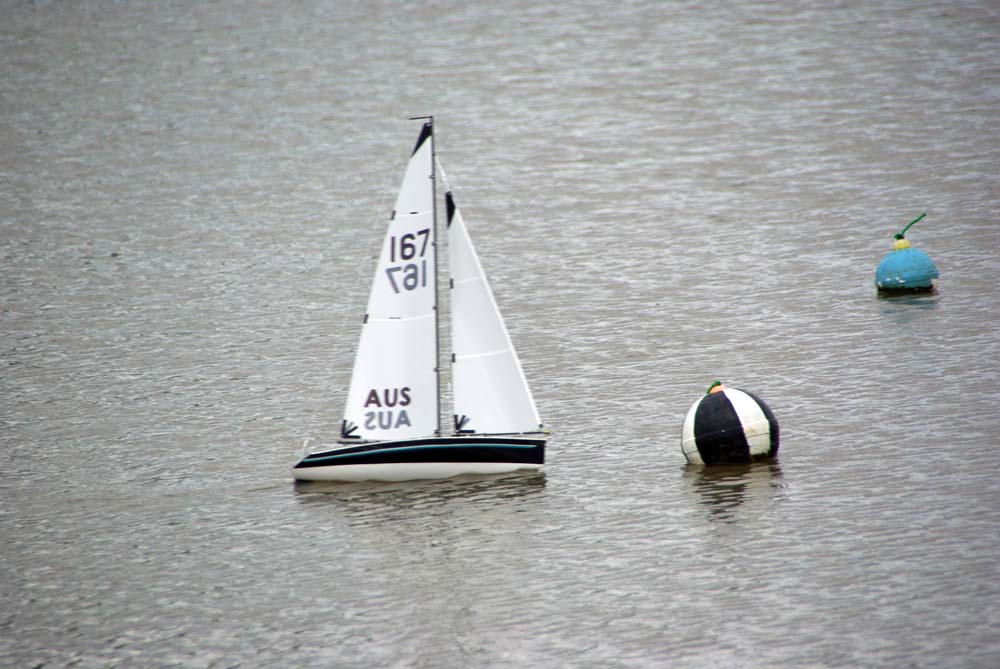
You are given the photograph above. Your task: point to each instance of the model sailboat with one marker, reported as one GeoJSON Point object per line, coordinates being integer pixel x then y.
{"type": "Point", "coordinates": [392, 428]}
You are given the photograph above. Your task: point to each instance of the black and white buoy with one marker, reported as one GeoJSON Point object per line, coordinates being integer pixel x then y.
{"type": "Point", "coordinates": [728, 425]}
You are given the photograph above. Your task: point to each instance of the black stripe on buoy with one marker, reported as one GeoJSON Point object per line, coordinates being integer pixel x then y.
{"type": "Point", "coordinates": [772, 423]}
{"type": "Point", "coordinates": [718, 432]}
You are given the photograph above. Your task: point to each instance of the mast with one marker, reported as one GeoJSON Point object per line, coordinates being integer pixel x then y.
{"type": "Point", "coordinates": [437, 309]}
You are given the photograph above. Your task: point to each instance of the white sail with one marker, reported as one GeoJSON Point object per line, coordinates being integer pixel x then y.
{"type": "Point", "coordinates": [394, 387]}
{"type": "Point", "coordinates": [491, 393]}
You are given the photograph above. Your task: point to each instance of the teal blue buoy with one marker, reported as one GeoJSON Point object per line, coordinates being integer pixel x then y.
{"type": "Point", "coordinates": [905, 269]}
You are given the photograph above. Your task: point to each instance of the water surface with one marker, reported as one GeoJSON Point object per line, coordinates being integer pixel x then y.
{"type": "Point", "coordinates": [663, 194]}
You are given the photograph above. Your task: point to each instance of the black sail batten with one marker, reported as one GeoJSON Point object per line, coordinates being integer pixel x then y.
{"type": "Point", "coordinates": [449, 203]}
{"type": "Point", "coordinates": [425, 133]}
{"type": "Point", "coordinates": [460, 423]}
{"type": "Point", "coordinates": [347, 430]}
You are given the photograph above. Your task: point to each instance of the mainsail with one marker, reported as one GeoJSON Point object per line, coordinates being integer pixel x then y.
{"type": "Point", "coordinates": [491, 393]}
{"type": "Point", "coordinates": [394, 386]}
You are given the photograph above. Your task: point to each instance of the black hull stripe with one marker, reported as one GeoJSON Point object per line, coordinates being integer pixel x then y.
{"type": "Point", "coordinates": [485, 451]}
{"type": "Point", "coordinates": [431, 441]}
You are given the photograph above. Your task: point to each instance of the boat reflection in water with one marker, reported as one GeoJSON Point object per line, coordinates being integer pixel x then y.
{"type": "Point", "coordinates": [372, 500]}
{"type": "Point", "coordinates": [726, 489]}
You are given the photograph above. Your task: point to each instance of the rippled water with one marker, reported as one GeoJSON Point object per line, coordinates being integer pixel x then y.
{"type": "Point", "coordinates": [191, 198]}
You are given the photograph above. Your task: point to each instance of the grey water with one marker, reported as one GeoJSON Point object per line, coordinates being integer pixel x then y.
{"type": "Point", "coordinates": [662, 193]}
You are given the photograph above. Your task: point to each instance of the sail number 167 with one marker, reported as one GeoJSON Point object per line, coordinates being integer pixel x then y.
{"type": "Point", "coordinates": [410, 246]}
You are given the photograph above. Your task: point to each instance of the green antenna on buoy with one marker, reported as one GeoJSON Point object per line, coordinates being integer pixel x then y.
{"type": "Point", "coordinates": [909, 225]}
{"type": "Point", "coordinates": [901, 241]}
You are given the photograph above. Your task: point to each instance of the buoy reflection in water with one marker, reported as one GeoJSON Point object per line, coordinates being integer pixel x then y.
{"type": "Point", "coordinates": [728, 490]}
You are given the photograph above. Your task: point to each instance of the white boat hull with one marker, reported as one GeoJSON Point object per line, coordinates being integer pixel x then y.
{"type": "Point", "coordinates": [407, 471]}
{"type": "Point", "coordinates": [427, 458]}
